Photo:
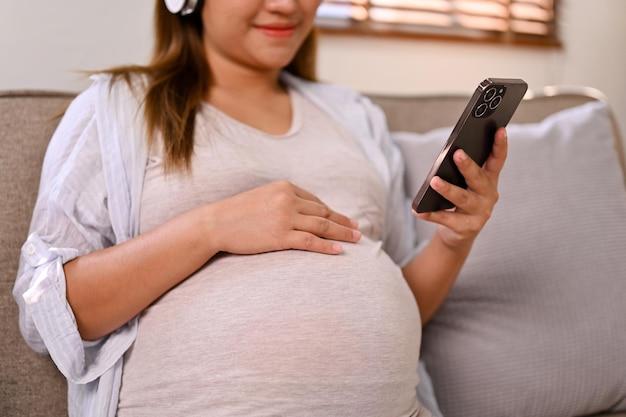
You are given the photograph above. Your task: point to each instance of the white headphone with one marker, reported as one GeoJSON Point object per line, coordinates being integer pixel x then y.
{"type": "Point", "coordinates": [184, 7]}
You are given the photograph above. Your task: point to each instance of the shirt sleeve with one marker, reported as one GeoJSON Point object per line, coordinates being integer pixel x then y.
{"type": "Point", "coordinates": [70, 219]}
{"type": "Point", "coordinates": [400, 238]}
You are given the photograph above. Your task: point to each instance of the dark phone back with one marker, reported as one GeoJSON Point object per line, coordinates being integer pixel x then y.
{"type": "Point", "coordinates": [491, 106]}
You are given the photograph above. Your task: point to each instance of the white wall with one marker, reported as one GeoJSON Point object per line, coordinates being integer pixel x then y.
{"type": "Point", "coordinates": [43, 42]}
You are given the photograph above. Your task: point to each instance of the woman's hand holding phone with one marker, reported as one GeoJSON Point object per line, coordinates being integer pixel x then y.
{"type": "Point", "coordinates": [474, 204]}
{"type": "Point", "coordinates": [492, 105]}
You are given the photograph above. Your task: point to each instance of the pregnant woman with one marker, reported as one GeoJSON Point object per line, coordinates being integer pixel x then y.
{"type": "Point", "coordinates": [218, 234]}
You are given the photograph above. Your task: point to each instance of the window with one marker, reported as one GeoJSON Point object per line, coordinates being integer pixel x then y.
{"type": "Point", "coordinates": [504, 21]}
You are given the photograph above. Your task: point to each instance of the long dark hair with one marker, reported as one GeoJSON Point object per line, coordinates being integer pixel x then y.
{"type": "Point", "coordinates": [178, 79]}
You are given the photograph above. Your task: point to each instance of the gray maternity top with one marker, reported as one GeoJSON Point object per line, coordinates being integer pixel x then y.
{"type": "Point", "coordinates": [287, 333]}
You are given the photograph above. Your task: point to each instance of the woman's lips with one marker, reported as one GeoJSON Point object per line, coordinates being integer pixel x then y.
{"type": "Point", "coordinates": [277, 31]}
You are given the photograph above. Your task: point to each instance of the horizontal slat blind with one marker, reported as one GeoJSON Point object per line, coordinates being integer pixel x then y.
{"type": "Point", "coordinates": [501, 20]}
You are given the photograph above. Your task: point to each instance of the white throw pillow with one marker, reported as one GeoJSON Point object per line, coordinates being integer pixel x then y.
{"type": "Point", "coordinates": [536, 322]}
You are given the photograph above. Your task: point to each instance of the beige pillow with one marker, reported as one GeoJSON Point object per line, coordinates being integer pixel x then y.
{"type": "Point", "coordinates": [536, 322]}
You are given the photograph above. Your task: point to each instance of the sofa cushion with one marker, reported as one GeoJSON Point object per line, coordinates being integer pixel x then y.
{"type": "Point", "coordinates": [536, 322]}
{"type": "Point", "coordinates": [30, 384]}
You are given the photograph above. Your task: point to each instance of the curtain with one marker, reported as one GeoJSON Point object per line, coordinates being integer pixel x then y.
{"type": "Point", "coordinates": [502, 20]}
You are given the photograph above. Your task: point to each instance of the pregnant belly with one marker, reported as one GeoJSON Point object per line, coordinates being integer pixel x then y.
{"type": "Point", "coordinates": [280, 333]}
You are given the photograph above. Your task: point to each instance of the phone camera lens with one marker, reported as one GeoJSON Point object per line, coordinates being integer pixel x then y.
{"type": "Point", "coordinates": [481, 110]}
{"type": "Point", "coordinates": [495, 102]}
{"type": "Point", "coordinates": [490, 94]}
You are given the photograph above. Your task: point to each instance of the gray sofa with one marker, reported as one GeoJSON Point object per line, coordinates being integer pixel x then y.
{"type": "Point", "coordinates": [30, 385]}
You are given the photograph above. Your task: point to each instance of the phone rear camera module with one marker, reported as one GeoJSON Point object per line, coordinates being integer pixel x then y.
{"type": "Point", "coordinates": [491, 99]}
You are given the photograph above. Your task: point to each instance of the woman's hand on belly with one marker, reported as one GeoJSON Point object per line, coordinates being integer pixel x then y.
{"type": "Point", "coordinates": [278, 216]}
{"type": "Point", "coordinates": [107, 288]}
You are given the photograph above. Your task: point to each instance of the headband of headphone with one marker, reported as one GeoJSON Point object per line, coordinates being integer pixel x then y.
{"type": "Point", "coordinates": [182, 7]}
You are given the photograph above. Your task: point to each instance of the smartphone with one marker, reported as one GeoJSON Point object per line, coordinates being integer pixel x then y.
{"type": "Point", "coordinates": [491, 106]}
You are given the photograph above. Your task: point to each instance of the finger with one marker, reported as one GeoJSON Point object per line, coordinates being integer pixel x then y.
{"type": "Point", "coordinates": [313, 206]}
{"type": "Point", "coordinates": [471, 171]}
{"type": "Point", "coordinates": [458, 196]}
{"type": "Point", "coordinates": [442, 217]}
{"type": "Point", "coordinates": [304, 194]}
{"type": "Point", "coordinates": [446, 218]}
{"type": "Point", "coordinates": [322, 211]}
{"type": "Point", "coordinates": [495, 162]}
{"type": "Point", "coordinates": [328, 229]}
{"type": "Point", "coordinates": [461, 226]}
{"type": "Point", "coordinates": [300, 240]}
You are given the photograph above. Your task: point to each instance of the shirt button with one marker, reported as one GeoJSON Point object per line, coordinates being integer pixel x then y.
{"type": "Point", "coordinates": [30, 249]}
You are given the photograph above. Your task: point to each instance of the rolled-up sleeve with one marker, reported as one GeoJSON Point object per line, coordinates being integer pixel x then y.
{"type": "Point", "coordinates": [70, 219]}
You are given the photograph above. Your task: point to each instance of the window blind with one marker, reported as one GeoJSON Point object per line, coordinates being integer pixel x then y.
{"type": "Point", "coordinates": [509, 21]}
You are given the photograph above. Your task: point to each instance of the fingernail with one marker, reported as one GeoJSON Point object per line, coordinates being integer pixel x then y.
{"type": "Point", "coordinates": [354, 224]}
{"type": "Point", "coordinates": [336, 247]}
{"type": "Point", "coordinates": [356, 234]}
{"type": "Point", "coordinates": [436, 182]}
